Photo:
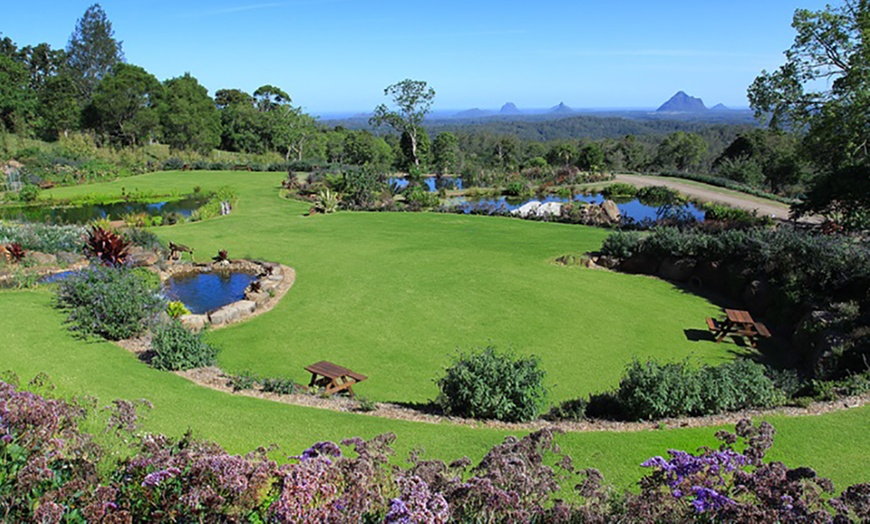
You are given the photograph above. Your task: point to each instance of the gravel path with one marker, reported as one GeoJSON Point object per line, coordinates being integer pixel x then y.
{"type": "Point", "coordinates": [724, 196]}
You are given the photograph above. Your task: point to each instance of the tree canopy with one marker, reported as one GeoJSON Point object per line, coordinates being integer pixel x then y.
{"type": "Point", "coordinates": [92, 50]}
{"type": "Point", "coordinates": [823, 91]}
{"type": "Point", "coordinates": [412, 100]}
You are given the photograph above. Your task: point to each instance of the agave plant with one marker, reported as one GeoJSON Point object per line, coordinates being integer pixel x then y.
{"type": "Point", "coordinates": [108, 247]}
{"type": "Point", "coordinates": [16, 252]}
{"type": "Point", "coordinates": [327, 201]}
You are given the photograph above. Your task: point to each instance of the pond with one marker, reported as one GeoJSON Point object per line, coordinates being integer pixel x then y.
{"type": "Point", "coordinates": [51, 278]}
{"type": "Point", "coordinates": [431, 183]}
{"type": "Point", "coordinates": [632, 208]}
{"type": "Point", "coordinates": [205, 292]}
{"type": "Point", "coordinates": [88, 213]}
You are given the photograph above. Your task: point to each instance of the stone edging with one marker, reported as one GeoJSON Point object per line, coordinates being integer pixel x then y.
{"type": "Point", "coordinates": [275, 280]}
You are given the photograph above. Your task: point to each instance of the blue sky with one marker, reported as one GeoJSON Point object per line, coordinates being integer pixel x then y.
{"type": "Point", "coordinates": [338, 55]}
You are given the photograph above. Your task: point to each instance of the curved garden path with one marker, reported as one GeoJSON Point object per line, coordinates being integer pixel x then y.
{"type": "Point", "coordinates": [715, 194]}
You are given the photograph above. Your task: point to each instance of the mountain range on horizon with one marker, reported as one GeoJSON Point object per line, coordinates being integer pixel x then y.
{"type": "Point", "coordinates": [679, 103]}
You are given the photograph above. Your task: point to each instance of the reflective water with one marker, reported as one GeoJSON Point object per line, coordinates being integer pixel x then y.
{"type": "Point", "coordinates": [431, 183]}
{"type": "Point", "coordinates": [204, 292]}
{"type": "Point", "coordinates": [632, 209]}
{"type": "Point", "coordinates": [87, 213]}
{"type": "Point", "coordinates": [56, 277]}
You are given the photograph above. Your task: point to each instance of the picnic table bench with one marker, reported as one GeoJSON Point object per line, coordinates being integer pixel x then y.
{"type": "Point", "coordinates": [333, 378]}
{"type": "Point", "coordinates": [739, 322]}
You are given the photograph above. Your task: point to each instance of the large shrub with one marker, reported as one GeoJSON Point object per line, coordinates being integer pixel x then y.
{"type": "Point", "coordinates": [652, 390]}
{"type": "Point", "coordinates": [486, 384]}
{"type": "Point", "coordinates": [177, 348]}
{"type": "Point", "coordinates": [110, 302]}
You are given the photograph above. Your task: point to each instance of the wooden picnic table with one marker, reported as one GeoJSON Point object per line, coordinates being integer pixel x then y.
{"type": "Point", "coordinates": [739, 322]}
{"type": "Point", "coordinates": [333, 378]}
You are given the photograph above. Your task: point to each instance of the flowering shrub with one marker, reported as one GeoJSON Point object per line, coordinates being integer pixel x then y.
{"type": "Point", "coordinates": [51, 471]}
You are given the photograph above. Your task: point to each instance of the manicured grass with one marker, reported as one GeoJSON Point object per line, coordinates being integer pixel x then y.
{"type": "Point", "coordinates": [392, 295]}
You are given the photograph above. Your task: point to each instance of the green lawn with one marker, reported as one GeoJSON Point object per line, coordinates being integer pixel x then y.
{"type": "Point", "coordinates": [392, 295]}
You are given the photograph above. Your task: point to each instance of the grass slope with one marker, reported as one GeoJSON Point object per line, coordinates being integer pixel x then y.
{"type": "Point", "coordinates": [392, 295]}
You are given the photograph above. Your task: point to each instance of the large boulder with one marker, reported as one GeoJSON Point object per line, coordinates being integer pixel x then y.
{"type": "Point", "coordinates": [677, 269]}
{"type": "Point", "coordinates": [139, 257]}
{"type": "Point", "coordinates": [69, 258]}
{"type": "Point", "coordinates": [549, 209]}
{"type": "Point", "coordinates": [611, 211]}
{"type": "Point", "coordinates": [526, 210]}
{"type": "Point", "coordinates": [42, 259]}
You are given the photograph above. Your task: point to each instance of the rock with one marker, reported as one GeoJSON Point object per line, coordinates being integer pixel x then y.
{"type": "Point", "coordinates": [260, 297]}
{"type": "Point", "coordinates": [611, 211]}
{"type": "Point", "coordinates": [139, 257]}
{"type": "Point", "coordinates": [245, 307]}
{"type": "Point", "coordinates": [606, 261]}
{"type": "Point", "coordinates": [68, 258]}
{"type": "Point", "coordinates": [527, 209]}
{"type": "Point", "coordinates": [42, 259]}
{"type": "Point", "coordinates": [677, 269]}
{"type": "Point", "coordinates": [642, 264]}
{"type": "Point", "coordinates": [223, 315]}
{"type": "Point", "coordinates": [194, 322]}
{"type": "Point", "coordinates": [550, 209]}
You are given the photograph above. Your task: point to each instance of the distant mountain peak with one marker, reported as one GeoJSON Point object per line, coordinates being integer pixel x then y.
{"type": "Point", "coordinates": [561, 108]}
{"type": "Point", "coordinates": [720, 107]}
{"type": "Point", "coordinates": [472, 113]}
{"type": "Point", "coordinates": [683, 103]}
{"type": "Point", "coordinates": [509, 109]}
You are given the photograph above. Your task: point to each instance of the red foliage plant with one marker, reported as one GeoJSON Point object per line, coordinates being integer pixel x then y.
{"type": "Point", "coordinates": [107, 246]}
{"type": "Point", "coordinates": [16, 252]}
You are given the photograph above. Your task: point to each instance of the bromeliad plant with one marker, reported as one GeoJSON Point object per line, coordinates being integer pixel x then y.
{"type": "Point", "coordinates": [327, 201]}
{"type": "Point", "coordinates": [221, 256]}
{"type": "Point", "coordinates": [16, 252]}
{"type": "Point", "coordinates": [107, 246]}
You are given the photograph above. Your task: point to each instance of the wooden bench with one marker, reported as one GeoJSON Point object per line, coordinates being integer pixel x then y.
{"type": "Point", "coordinates": [241, 167]}
{"type": "Point", "coordinates": [740, 323]}
{"type": "Point", "coordinates": [713, 325]}
{"type": "Point", "coordinates": [333, 378]}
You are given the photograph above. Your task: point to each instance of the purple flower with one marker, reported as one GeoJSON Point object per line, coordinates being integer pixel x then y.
{"type": "Point", "coordinates": [321, 449]}
{"type": "Point", "coordinates": [154, 479]}
{"type": "Point", "coordinates": [707, 499]}
{"type": "Point", "coordinates": [398, 514]}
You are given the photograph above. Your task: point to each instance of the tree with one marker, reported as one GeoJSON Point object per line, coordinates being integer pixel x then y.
{"type": "Point", "coordinates": [124, 106]}
{"type": "Point", "coordinates": [189, 117]}
{"type": "Point", "coordinates": [445, 152]}
{"type": "Point", "coordinates": [92, 51]}
{"type": "Point", "coordinates": [293, 131]}
{"type": "Point", "coordinates": [59, 110]}
{"type": "Point", "coordinates": [413, 100]}
{"type": "Point", "coordinates": [680, 150]}
{"type": "Point", "coordinates": [242, 126]}
{"type": "Point", "coordinates": [590, 157]}
{"type": "Point", "coordinates": [17, 103]}
{"type": "Point", "coordinates": [823, 91]}
{"type": "Point", "coordinates": [270, 98]}
{"type": "Point", "coordinates": [561, 154]}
